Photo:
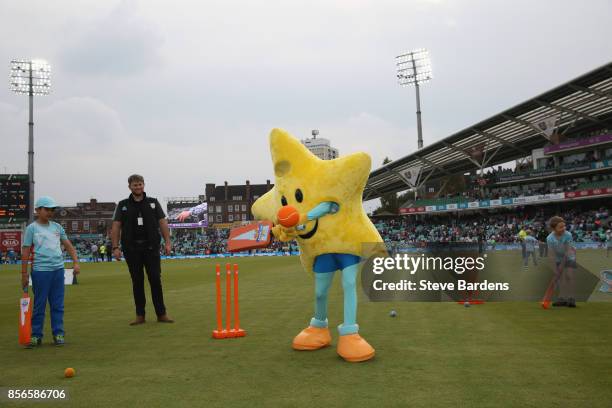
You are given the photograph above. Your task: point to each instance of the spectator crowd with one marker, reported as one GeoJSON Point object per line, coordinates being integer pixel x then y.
{"type": "Point", "coordinates": [501, 227]}
{"type": "Point", "coordinates": [477, 192]}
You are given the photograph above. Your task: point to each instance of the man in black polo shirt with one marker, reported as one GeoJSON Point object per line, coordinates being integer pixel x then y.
{"type": "Point", "coordinates": [138, 220]}
{"type": "Point", "coordinates": [543, 246]}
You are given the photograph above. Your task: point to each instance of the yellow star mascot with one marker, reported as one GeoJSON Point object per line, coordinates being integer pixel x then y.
{"type": "Point", "coordinates": [331, 230]}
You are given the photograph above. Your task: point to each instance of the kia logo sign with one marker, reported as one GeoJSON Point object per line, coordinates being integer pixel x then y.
{"type": "Point", "coordinates": [10, 242]}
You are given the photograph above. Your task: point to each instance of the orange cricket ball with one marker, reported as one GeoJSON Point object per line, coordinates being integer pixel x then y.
{"type": "Point", "coordinates": [69, 372]}
{"type": "Point", "coordinates": [288, 216]}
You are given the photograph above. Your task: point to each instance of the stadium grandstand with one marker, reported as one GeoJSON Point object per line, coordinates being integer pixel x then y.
{"type": "Point", "coordinates": [550, 155]}
{"type": "Point", "coordinates": [546, 152]}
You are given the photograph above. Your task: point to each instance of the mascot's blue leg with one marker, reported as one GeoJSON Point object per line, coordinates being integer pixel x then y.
{"type": "Point", "coordinates": [323, 282]}
{"type": "Point", "coordinates": [349, 285]}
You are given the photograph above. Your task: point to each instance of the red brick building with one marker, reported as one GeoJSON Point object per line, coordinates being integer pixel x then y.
{"type": "Point", "coordinates": [86, 218]}
{"type": "Point", "coordinates": [227, 204]}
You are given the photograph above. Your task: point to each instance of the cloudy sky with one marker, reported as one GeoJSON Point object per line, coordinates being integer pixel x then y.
{"type": "Point", "coordinates": [186, 92]}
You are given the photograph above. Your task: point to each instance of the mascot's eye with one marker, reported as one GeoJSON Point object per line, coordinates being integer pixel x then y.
{"type": "Point", "coordinates": [283, 201]}
{"type": "Point", "coordinates": [298, 195]}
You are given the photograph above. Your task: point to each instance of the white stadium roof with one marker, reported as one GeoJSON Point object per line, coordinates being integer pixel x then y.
{"type": "Point", "coordinates": [581, 105]}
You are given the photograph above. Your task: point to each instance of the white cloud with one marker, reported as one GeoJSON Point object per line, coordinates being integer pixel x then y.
{"type": "Point", "coordinates": [369, 133]}
{"type": "Point", "coordinates": [79, 124]}
{"type": "Point", "coordinates": [120, 43]}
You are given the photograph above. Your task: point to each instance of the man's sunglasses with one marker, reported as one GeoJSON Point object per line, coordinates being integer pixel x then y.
{"type": "Point", "coordinates": [51, 209]}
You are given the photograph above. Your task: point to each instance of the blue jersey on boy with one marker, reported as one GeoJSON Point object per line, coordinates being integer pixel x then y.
{"type": "Point", "coordinates": [47, 275]}
{"type": "Point", "coordinates": [558, 246]}
{"type": "Point", "coordinates": [46, 240]}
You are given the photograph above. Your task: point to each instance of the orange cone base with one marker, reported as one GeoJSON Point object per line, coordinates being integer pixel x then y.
{"type": "Point", "coordinates": [225, 334]}
{"type": "Point", "coordinates": [238, 332]}
{"type": "Point", "coordinates": [219, 334]}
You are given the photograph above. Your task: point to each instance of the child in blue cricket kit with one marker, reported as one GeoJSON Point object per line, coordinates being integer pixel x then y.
{"type": "Point", "coordinates": [44, 238]}
{"type": "Point", "coordinates": [563, 256]}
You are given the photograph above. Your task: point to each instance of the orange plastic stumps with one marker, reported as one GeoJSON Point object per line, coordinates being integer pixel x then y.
{"type": "Point", "coordinates": [228, 331]}
{"type": "Point", "coordinates": [238, 332]}
{"type": "Point", "coordinates": [228, 299]}
{"type": "Point", "coordinates": [219, 332]}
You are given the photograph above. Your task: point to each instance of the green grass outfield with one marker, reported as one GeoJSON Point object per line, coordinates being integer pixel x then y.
{"type": "Point", "coordinates": [432, 354]}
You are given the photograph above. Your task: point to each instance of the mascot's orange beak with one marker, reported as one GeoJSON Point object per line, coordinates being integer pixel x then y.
{"type": "Point", "coordinates": [288, 216]}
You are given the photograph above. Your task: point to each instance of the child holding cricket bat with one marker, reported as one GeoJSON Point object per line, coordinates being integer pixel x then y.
{"type": "Point", "coordinates": [563, 257]}
{"type": "Point", "coordinates": [45, 237]}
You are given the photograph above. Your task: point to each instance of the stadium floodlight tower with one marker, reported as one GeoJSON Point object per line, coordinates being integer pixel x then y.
{"type": "Point", "coordinates": [414, 68]}
{"type": "Point", "coordinates": [30, 77]}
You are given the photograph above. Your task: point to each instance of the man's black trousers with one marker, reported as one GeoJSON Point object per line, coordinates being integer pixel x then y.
{"type": "Point", "coordinates": [139, 260]}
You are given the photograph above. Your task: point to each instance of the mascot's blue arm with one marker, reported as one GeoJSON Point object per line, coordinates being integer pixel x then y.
{"type": "Point", "coordinates": [324, 208]}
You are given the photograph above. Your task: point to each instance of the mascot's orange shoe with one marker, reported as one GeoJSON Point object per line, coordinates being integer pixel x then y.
{"type": "Point", "coordinates": [312, 338]}
{"type": "Point", "coordinates": [353, 348]}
